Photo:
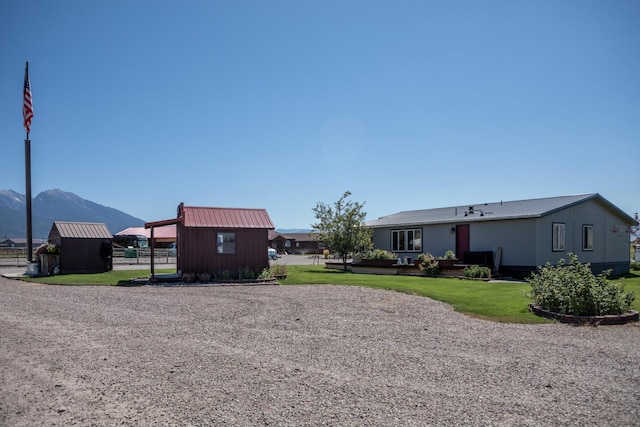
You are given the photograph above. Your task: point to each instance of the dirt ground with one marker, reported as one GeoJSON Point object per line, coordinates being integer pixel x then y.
{"type": "Point", "coordinates": [298, 355]}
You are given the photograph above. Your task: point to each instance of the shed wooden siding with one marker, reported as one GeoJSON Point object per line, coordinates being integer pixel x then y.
{"type": "Point", "coordinates": [197, 251]}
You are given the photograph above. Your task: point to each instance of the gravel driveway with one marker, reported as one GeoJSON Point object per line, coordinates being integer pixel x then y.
{"type": "Point", "coordinates": [298, 355]}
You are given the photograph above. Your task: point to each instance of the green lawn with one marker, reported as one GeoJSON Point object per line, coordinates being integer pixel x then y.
{"type": "Point", "coordinates": [500, 302]}
{"type": "Point", "coordinates": [110, 278]}
{"type": "Point", "coordinates": [503, 302]}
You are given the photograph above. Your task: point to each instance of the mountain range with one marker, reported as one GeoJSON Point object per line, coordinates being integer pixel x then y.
{"type": "Point", "coordinates": [56, 205]}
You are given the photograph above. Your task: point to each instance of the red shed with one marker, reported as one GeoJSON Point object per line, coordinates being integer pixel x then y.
{"type": "Point", "coordinates": [220, 241]}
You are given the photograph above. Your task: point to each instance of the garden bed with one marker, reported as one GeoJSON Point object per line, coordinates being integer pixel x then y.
{"type": "Point", "coordinates": [612, 319]}
{"type": "Point", "coordinates": [456, 270]}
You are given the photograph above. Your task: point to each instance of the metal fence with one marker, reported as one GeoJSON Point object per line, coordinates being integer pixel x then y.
{"type": "Point", "coordinates": [18, 256]}
{"type": "Point", "coordinates": [143, 256]}
{"type": "Point", "coordinates": [13, 256]}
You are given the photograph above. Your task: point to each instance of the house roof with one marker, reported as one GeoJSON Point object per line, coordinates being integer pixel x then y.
{"type": "Point", "coordinates": [299, 237]}
{"type": "Point", "coordinates": [519, 209]}
{"type": "Point", "coordinates": [21, 241]}
{"type": "Point", "coordinates": [226, 217]}
{"type": "Point", "coordinates": [82, 230]}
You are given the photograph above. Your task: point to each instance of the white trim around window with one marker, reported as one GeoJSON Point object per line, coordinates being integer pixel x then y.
{"type": "Point", "coordinates": [587, 237]}
{"type": "Point", "coordinates": [558, 236]}
{"type": "Point", "coordinates": [408, 240]}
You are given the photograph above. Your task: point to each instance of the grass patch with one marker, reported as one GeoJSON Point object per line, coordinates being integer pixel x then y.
{"type": "Point", "coordinates": [632, 283]}
{"type": "Point", "coordinates": [499, 302]}
{"type": "Point", "coordinates": [110, 278]}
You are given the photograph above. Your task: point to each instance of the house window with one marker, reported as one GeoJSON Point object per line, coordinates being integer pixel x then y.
{"type": "Point", "coordinates": [226, 243]}
{"type": "Point", "coordinates": [558, 236]}
{"type": "Point", "coordinates": [406, 240]}
{"type": "Point", "coordinates": [587, 237]}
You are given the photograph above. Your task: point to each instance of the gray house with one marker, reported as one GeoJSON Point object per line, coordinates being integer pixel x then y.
{"type": "Point", "coordinates": [519, 235]}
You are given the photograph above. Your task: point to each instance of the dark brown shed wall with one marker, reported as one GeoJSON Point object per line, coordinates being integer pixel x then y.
{"type": "Point", "coordinates": [198, 250]}
{"type": "Point", "coordinates": [80, 255]}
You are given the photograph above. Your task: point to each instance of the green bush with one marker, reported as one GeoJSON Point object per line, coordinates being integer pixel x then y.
{"type": "Point", "coordinates": [573, 289]}
{"type": "Point", "coordinates": [428, 264]}
{"type": "Point", "coordinates": [246, 273]}
{"type": "Point", "coordinates": [635, 265]}
{"type": "Point", "coordinates": [380, 254]}
{"type": "Point", "coordinates": [273, 271]}
{"type": "Point", "coordinates": [477, 272]}
{"type": "Point", "coordinates": [449, 254]}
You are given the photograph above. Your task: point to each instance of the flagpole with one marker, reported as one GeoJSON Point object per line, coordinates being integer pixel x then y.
{"type": "Point", "coordinates": [27, 168]}
{"type": "Point", "coordinates": [27, 113]}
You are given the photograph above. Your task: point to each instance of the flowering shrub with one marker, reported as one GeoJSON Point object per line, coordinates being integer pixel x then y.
{"type": "Point", "coordinates": [573, 289]}
{"type": "Point", "coordinates": [428, 264]}
{"type": "Point", "coordinates": [449, 254]}
{"type": "Point", "coordinates": [47, 249]}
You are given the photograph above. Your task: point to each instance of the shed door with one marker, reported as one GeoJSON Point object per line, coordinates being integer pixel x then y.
{"type": "Point", "coordinates": [462, 240]}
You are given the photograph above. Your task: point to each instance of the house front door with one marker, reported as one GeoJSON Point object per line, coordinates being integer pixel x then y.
{"type": "Point", "coordinates": [462, 240]}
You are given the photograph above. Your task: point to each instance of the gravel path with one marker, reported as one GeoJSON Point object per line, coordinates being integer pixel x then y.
{"type": "Point", "coordinates": [298, 355]}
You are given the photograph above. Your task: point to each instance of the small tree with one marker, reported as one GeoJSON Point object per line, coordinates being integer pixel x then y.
{"type": "Point", "coordinates": [634, 229]}
{"type": "Point", "coordinates": [341, 227]}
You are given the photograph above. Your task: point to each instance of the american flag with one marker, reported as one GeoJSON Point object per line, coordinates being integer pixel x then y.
{"type": "Point", "coordinates": [27, 105]}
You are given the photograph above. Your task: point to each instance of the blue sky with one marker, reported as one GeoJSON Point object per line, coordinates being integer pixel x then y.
{"type": "Point", "coordinates": [140, 105]}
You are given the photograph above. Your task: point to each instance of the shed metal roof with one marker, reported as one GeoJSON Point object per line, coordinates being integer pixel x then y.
{"type": "Point", "coordinates": [82, 230]}
{"type": "Point", "coordinates": [226, 217]}
{"type": "Point", "coordinates": [532, 208]}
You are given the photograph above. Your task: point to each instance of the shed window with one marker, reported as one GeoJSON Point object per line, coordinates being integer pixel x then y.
{"type": "Point", "coordinates": [587, 237]}
{"type": "Point", "coordinates": [558, 236]}
{"type": "Point", "coordinates": [226, 243]}
{"type": "Point", "coordinates": [406, 240]}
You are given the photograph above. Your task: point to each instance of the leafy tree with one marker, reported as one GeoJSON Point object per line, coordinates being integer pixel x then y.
{"type": "Point", "coordinates": [634, 229]}
{"type": "Point", "coordinates": [341, 227]}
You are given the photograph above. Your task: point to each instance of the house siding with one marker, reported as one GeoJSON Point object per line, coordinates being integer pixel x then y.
{"type": "Point", "coordinates": [610, 249]}
{"type": "Point", "coordinates": [527, 242]}
{"type": "Point", "coordinates": [484, 236]}
{"type": "Point", "coordinates": [518, 243]}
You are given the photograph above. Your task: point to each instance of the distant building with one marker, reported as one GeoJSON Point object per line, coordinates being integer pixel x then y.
{"type": "Point", "coordinates": [163, 236]}
{"type": "Point", "coordinates": [19, 243]}
{"type": "Point", "coordinates": [294, 243]}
